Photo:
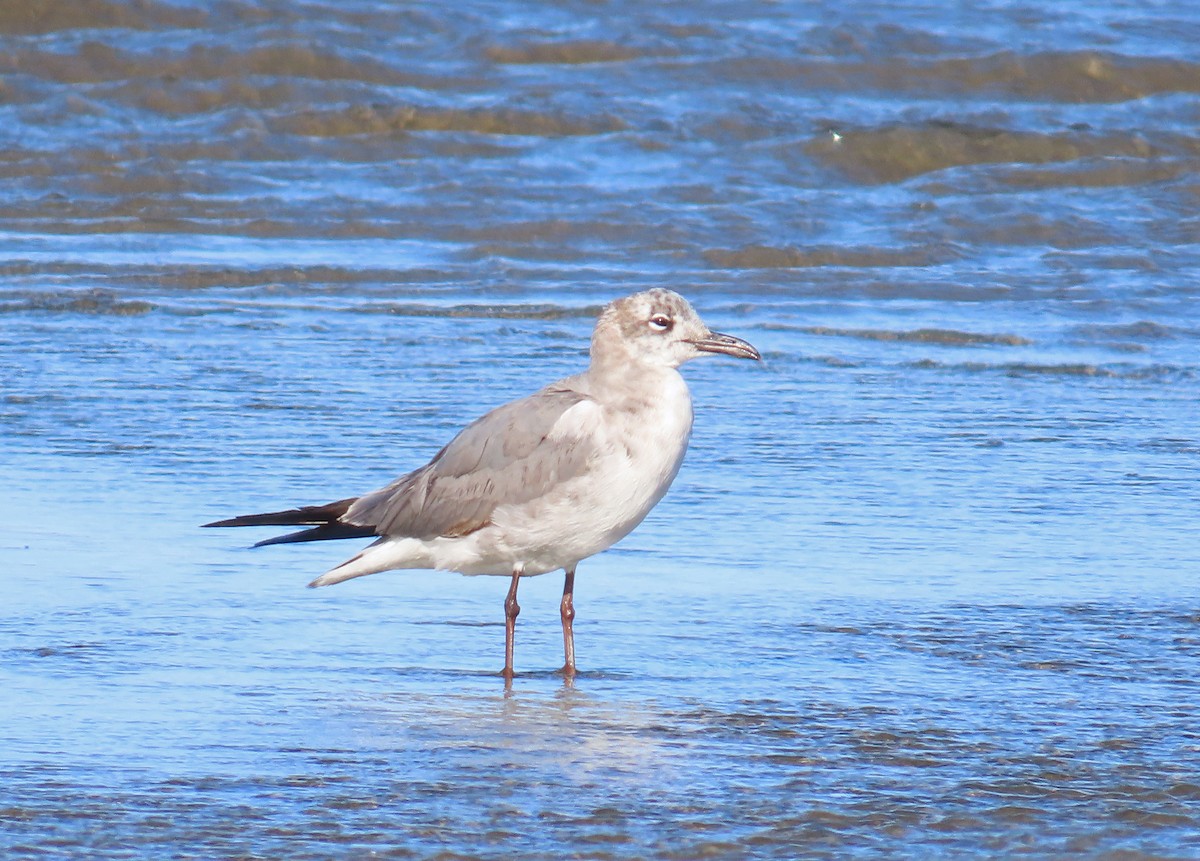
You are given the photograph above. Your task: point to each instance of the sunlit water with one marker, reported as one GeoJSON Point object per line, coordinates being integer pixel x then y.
{"type": "Point", "coordinates": [926, 585]}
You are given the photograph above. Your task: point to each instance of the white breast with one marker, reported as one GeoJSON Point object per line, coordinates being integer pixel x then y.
{"type": "Point", "coordinates": [656, 434]}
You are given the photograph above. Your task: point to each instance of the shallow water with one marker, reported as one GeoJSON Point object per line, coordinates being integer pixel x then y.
{"type": "Point", "coordinates": [926, 585]}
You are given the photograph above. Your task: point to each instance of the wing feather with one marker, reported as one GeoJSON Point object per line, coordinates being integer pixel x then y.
{"type": "Point", "coordinates": [514, 454]}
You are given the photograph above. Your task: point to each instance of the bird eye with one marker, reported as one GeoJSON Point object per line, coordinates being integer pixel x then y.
{"type": "Point", "coordinates": [661, 322]}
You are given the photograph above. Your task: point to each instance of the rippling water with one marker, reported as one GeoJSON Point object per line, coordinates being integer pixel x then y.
{"type": "Point", "coordinates": [925, 587]}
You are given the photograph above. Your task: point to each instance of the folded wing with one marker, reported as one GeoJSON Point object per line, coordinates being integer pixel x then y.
{"type": "Point", "coordinates": [514, 454]}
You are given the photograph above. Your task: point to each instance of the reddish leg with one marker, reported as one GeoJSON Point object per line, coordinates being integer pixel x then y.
{"type": "Point", "coordinates": [567, 611]}
{"type": "Point", "coordinates": [511, 610]}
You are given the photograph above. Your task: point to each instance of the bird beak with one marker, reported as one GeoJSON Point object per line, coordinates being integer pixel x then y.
{"type": "Point", "coordinates": [716, 342]}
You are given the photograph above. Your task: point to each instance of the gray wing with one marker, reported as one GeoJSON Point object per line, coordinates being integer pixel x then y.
{"type": "Point", "coordinates": [504, 457]}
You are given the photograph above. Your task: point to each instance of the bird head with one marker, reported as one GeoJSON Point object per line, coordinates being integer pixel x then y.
{"type": "Point", "coordinates": [659, 328]}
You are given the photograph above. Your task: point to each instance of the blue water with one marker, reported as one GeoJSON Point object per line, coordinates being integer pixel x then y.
{"type": "Point", "coordinates": [926, 585]}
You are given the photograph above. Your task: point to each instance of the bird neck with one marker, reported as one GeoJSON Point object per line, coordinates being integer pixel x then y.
{"type": "Point", "coordinates": [622, 380]}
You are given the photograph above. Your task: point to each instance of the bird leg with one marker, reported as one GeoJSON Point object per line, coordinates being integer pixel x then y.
{"type": "Point", "coordinates": [567, 611]}
{"type": "Point", "coordinates": [511, 610]}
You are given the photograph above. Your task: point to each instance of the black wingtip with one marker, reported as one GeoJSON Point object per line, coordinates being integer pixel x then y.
{"type": "Point", "coordinates": [324, 532]}
{"type": "Point", "coordinates": [233, 521]}
{"type": "Point", "coordinates": [309, 515]}
{"type": "Point", "coordinates": [290, 538]}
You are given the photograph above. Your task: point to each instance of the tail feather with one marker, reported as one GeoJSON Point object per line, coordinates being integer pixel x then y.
{"type": "Point", "coordinates": [348, 570]}
{"type": "Point", "coordinates": [324, 520]}
{"type": "Point", "coordinates": [384, 555]}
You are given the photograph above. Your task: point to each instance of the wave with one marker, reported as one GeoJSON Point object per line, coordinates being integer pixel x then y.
{"type": "Point", "coordinates": [1140, 330]}
{"type": "Point", "coordinates": [1065, 369]}
{"type": "Point", "coordinates": [1057, 76]}
{"type": "Point", "coordinates": [99, 302]}
{"type": "Point", "coordinates": [94, 62]}
{"type": "Point", "coordinates": [894, 153]}
{"type": "Point", "coordinates": [49, 16]}
{"type": "Point", "coordinates": [569, 52]}
{"type": "Point", "coordinates": [364, 119]}
{"type": "Point", "coordinates": [486, 311]}
{"type": "Point", "coordinates": [768, 257]}
{"type": "Point", "coordinates": [946, 337]}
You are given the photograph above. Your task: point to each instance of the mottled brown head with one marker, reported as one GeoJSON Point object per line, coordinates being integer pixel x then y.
{"type": "Point", "coordinates": [659, 328]}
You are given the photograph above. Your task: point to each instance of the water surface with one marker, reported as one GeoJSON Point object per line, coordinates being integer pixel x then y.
{"type": "Point", "coordinates": [926, 585]}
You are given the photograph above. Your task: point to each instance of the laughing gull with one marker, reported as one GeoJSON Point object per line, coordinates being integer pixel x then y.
{"type": "Point", "coordinates": [543, 482]}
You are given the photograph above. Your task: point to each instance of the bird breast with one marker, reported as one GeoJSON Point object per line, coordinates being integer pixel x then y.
{"type": "Point", "coordinates": [654, 430]}
{"type": "Point", "coordinates": [641, 446]}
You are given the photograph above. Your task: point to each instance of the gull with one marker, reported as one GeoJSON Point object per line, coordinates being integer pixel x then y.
{"type": "Point", "coordinates": [543, 482]}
